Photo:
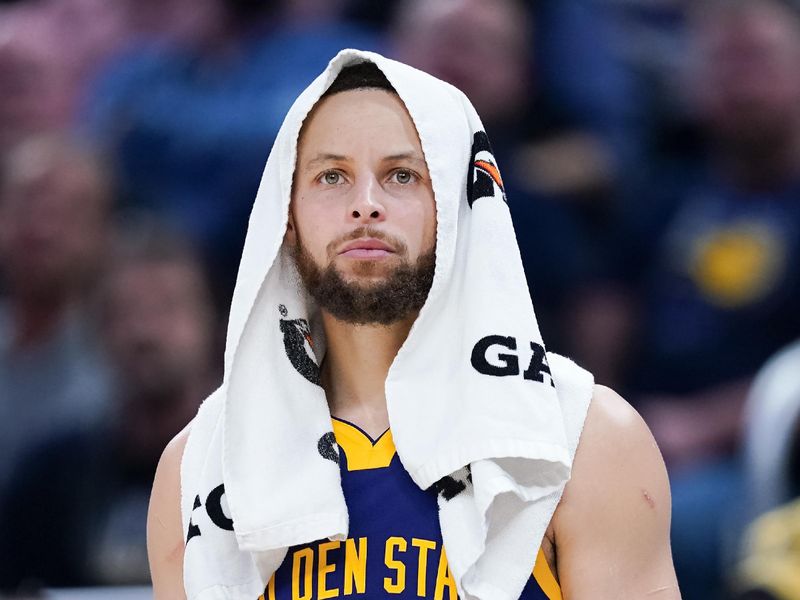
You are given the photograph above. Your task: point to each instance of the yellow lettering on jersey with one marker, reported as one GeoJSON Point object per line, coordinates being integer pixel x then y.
{"type": "Point", "coordinates": [444, 579]}
{"type": "Point", "coordinates": [422, 564]}
{"type": "Point", "coordinates": [306, 556]}
{"type": "Point", "coordinates": [323, 593]}
{"type": "Point", "coordinates": [395, 587]}
{"type": "Point", "coordinates": [355, 565]}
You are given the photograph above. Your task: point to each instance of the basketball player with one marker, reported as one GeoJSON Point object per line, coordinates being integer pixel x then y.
{"type": "Point", "coordinates": [362, 228]}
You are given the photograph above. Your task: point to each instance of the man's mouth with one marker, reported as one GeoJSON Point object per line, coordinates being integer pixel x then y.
{"type": "Point", "coordinates": [366, 248]}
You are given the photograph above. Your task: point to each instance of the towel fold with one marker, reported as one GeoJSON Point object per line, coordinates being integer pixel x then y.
{"type": "Point", "coordinates": [478, 409]}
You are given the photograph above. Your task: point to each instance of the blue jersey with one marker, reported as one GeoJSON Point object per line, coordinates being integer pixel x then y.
{"type": "Point", "coordinates": [394, 548]}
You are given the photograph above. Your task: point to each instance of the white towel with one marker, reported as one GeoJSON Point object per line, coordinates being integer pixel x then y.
{"type": "Point", "coordinates": [476, 407]}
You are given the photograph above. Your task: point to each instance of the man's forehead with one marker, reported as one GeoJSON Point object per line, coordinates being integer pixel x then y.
{"type": "Point", "coordinates": [333, 117]}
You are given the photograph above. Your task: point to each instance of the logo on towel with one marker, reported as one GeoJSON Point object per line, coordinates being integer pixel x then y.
{"type": "Point", "coordinates": [483, 180]}
{"type": "Point", "coordinates": [506, 364]}
{"type": "Point", "coordinates": [214, 511]}
{"type": "Point", "coordinates": [327, 447]}
{"type": "Point", "coordinates": [298, 345]}
{"type": "Point", "coordinates": [450, 486]}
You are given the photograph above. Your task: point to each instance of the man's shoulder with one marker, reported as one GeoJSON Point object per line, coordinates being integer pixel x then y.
{"type": "Point", "coordinates": [616, 507]}
{"type": "Point", "coordinates": [612, 427]}
{"type": "Point", "coordinates": [166, 492]}
{"type": "Point", "coordinates": [615, 446]}
{"type": "Point", "coordinates": [611, 422]}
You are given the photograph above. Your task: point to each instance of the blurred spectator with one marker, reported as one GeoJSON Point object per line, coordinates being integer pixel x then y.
{"type": "Point", "coordinates": [482, 48]}
{"type": "Point", "coordinates": [565, 47]}
{"type": "Point", "coordinates": [581, 67]}
{"type": "Point", "coordinates": [49, 49]}
{"type": "Point", "coordinates": [722, 286]}
{"type": "Point", "coordinates": [189, 128]}
{"type": "Point", "coordinates": [54, 230]}
{"type": "Point", "coordinates": [77, 509]}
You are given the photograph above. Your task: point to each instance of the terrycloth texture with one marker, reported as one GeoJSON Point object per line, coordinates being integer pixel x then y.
{"type": "Point", "coordinates": [473, 406]}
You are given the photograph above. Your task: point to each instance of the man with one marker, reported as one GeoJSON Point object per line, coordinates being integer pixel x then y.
{"type": "Point", "coordinates": [54, 230]}
{"type": "Point", "coordinates": [367, 233]}
{"type": "Point", "coordinates": [725, 263]}
{"type": "Point", "coordinates": [158, 327]}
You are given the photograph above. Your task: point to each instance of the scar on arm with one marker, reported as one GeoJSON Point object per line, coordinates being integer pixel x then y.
{"type": "Point", "coordinates": [649, 499]}
{"type": "Point", "coordinates": [663, 589]}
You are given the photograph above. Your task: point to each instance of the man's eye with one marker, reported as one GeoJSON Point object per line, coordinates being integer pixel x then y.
{"type": "Point", "coordinates": [332, 177]}
{"type": "Point", "coordinates": [403, 176]}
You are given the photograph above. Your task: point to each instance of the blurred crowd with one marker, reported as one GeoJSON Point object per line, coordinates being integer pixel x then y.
{"type": "Point", "coordinates": [651, 156]}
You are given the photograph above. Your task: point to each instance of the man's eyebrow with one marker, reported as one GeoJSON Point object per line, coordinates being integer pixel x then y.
{"type": "Point", "coordinates": [323, 157]}
{"type": "Point", "coordinates": [409, 156]}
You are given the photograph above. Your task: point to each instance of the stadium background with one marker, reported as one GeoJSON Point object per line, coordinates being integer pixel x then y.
{"type": "Point", "coordinates": [651, 155]}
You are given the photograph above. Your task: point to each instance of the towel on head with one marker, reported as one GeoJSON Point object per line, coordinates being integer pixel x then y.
{"type": "Point", "coordinates": [477, 408]}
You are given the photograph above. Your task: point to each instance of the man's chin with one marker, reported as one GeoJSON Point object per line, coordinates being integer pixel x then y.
{"type": "Point", "coordinates": [362, 292]}
{"type": "Point", "coordinates": [366, 270]}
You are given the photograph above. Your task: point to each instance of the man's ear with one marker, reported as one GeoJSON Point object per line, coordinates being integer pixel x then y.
{"type": "Point", "coordinates": [290, 236]}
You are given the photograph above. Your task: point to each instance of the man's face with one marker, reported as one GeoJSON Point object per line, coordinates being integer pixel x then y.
{"type": "Point", "coordinates": [158, 326]}
{"type": "Point", "coordinates": [479, 47]}
{"type": "Point", "coordinates": [749, 88]}
{"type": "Point", "coordinates": [363, 219]}
{"type": "Point", "coordinates": [53, 227]}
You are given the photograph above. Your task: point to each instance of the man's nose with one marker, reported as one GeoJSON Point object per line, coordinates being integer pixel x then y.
{"type": "Point", "coordinates": [366, 205]}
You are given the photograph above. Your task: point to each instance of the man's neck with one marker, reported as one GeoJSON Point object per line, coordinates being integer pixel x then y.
{"type": "Point", "coordinates": [354, 371]}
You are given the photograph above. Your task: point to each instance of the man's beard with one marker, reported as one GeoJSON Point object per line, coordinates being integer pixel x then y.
{"type": "Point", "coordinates": [401, 293]}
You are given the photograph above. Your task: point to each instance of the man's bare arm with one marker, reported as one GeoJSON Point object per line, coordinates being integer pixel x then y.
{"type": "Point", "coordinates": [612, 526]}
{"type": "Point", "coordinates": [164, 528]}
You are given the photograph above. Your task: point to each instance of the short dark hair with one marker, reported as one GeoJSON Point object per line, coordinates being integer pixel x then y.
{"type": "Point", "coordinates": [361, 76]}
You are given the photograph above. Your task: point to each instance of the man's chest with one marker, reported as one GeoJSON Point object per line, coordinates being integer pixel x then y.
{"type": "Point", "coordinates": [394, 546]}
